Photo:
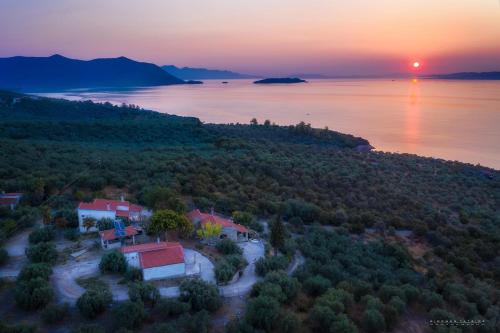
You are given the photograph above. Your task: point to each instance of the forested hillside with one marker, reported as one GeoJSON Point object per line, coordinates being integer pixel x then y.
{"type": "Point", "coordinates": [306, 175]}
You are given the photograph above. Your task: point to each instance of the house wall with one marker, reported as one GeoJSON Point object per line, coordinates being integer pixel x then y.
{"type": "Point", "coordinates": [163, 272]}
{"type": "Point", "coordinates": [96, 214]}
{"type": "Point", "coordinates": [133, 259]}
{"type": "Point", "coordinates": [230, 233]}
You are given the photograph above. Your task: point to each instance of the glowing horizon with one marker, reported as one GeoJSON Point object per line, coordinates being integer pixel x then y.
{"type": "Point", "coordinates": [263, 36]}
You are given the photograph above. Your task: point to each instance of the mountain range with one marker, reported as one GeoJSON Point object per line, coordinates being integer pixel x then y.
{"type": "Point", "coordinates": [58, 72]}
{"type": "Point", "coordinates": [468, 76]}
{"type": "Point", "coordinates": [190, 73]}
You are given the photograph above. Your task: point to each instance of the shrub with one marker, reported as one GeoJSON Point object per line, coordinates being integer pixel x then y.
{"type": "Point", "coordinates": [33, 294]}
{"type": "Point", "coordinates": [342, 324]}
{"type": "Point", "coordinates": [54, 313]}
{"type": "Point", "coordinates": [45, 234]}
{"type": "Point", "coordinates": [4, 256]}
{"type": "Point", "coordinates": [441, 314]}
{"type": "Point", "coordinates": [195, 323]}
{"type": "Point", "coordinates": [143, 292]}
{"type": "Point", "coordinates": [224, 271]}
{"type": "Point", "coordinates": [262, 312]}
{"type": "Point", "coordinates": [287, 322]}
{"type": "Point", "coordinates": [336, 299]}
{"type": "Point", "coordinates": [19, 328]}
{"type": "Point", "coordinates": [398, 304]}
{"type": "Point", "coordinates": [372, 302]}
{"type": "Point", "coordinates": [94, 302]}
{"type": "Point", "coordinates": [373, 321]}
{"type": "Point", "coordinates": [133, 274]}
{"type": "Point", "coordinates": [31, 271]}
{"type": "Point", "coordinates": [386, 292]}
{"type": "Point", "coordinates": [412, 293]}
{"type": "Point", "coordinates": [316, 285]}
{"type": "Point", "coordinates": [113, 262]}
{"type": "Point", "coordinates": [227, 246]}
{"type": "Point", "coordinates": [289, 285]}
{"type": "Point", "coordinates": [42, 252]}
{"type": "Point", "coordinates": [164, 328]}
{"type": "Point", "coordinates": [239, 326]}
{"type": "Point", "coordinates": [236, 260]}
{"type": "Point", "coordinates": [90, 328]}
{"type": "Point", "coordinates": [200, 295]}
{"type": "Point", "coordinates": [432, 300]}
{"type": "Point", "coordinates": [265, 265]}
{"type": "Point", "coordinates": [171, 307]}
{"type": "Point", "coordinates": [269, 290]}
{"type": "Point", "coordinates": [321, 318]}
{"type": "Point", "coordinates": [129, 314]}
{"type": "Point", "coordinates": [72, 234]}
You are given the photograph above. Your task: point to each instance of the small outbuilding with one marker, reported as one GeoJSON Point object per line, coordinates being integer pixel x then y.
{"type": "Point", "coordinates": [160, 260]}
{"type": "Point", "coordinates": [112, 239]}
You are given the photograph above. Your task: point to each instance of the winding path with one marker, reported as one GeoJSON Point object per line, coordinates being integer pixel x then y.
{"type": "Point", "coordinates": [67, 289]}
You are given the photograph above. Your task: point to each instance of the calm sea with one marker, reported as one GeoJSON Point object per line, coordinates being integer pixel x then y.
{"type": "Point", "coordinates": [453, 120]}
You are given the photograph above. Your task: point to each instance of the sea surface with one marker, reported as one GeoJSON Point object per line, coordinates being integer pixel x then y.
{"type": "Point", "coordinates": [452, 120]}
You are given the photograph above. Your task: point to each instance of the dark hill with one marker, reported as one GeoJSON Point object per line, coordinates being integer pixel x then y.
{"type": "Point", "coordinates": [58, 72]}
{"type": "Point", "coordinates": [188, 73]}
{"type": "Point", "coordinates": [468, 76]}
{"type": "Point", "coordinates": [280, 80]}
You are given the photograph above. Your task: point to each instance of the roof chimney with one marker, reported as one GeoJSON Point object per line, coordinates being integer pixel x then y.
{"type": "Point", "coordinates": [122, 198]}
{"type": "Point", "coordinates": [108, 206]}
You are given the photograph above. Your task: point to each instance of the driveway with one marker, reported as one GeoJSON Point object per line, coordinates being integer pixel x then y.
{"type": "Point", "coordinates": [251, 252]}
{"type": "Point", "coordinates": [15, 246]}
{"type": "Point", "coordinates": [67, 290]}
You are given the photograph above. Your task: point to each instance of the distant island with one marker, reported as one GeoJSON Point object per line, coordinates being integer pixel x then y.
{"type": "Point", "coordinates": [193, 82]}
{"type": "Point", "coordinates": [280, 80]}
{"type": "Point", "coordinates": [189, 73]}
{"type": "Point", "coordinates": [58, 72]}
{"type": "Point", "coordinates": [468, 76]}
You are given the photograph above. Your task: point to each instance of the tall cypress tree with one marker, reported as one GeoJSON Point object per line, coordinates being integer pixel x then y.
{"type": "Point", "coordinates": [277, 238]}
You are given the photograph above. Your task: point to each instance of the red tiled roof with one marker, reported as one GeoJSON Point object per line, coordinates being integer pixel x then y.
{"type": "Point", "coordinates": [110, 233]}
{"type": "Point", "coordinates": [148, 247]}
{"type": "Point", "coordinates": [162, 257]}
{"type": "Point", "coordinates": [209, 218]}
{"type": "Point", "coordinates": [12, 194]}
{"type": "Point", "coordinates": [8, 201]}
{"type": "Point", "coordinates": [122, 208]}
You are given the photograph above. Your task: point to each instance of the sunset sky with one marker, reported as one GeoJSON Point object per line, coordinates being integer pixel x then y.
{"type": "Point", "coordinates": [263, 36]}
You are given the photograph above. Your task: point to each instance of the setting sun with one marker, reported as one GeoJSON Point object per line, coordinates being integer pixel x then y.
{"type": "Point", "coordinates": [416, 64]}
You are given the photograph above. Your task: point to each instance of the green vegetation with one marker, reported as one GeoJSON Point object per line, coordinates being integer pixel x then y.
{"type": "Point", "coordinates": [307, 176]}
{"type": "Point", "coordinates": [95, 300]}
{"type": "Point", "coordinates": [231, 261]}
{"type": "Point", "coordinates": [166, 220]}
{"type": "Point", "coordinates": [200, 295]}
{"type": "Point", "coordinates": [144, 292]}
{"type": "Point", "coordinates": [113, 262]}
{"type": "Point", "coordinates": [42, 253]}
{"type": "Point", "coordinates": [54, 313]}
{"type": "Point", "coordinates": [45, 234]}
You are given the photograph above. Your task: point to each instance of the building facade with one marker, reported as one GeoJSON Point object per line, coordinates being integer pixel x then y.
{"type": "Point", "coordinates": [109, 209]}
{"type": "Point", "coordinates": [235, 232]}
{"type": "Point", "coordinates": [160, 260]}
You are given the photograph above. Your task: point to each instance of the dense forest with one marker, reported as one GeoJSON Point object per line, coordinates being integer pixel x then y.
{"type": "Point", "coordinates": [59, 152]}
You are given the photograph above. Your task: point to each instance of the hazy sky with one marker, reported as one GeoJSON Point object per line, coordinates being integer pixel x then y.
{"type": "Point", "coordinates": [262, 36]}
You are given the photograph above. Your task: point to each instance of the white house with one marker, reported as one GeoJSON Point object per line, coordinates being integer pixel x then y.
{"type": "Point", "coordinates": [112, 209]}
{"type": "Point", "coordinates": [10, 200]}
{"type": "Point", "coordinates": [157, 260]}
{"type": "Point", "coordinates": [231, 230]}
